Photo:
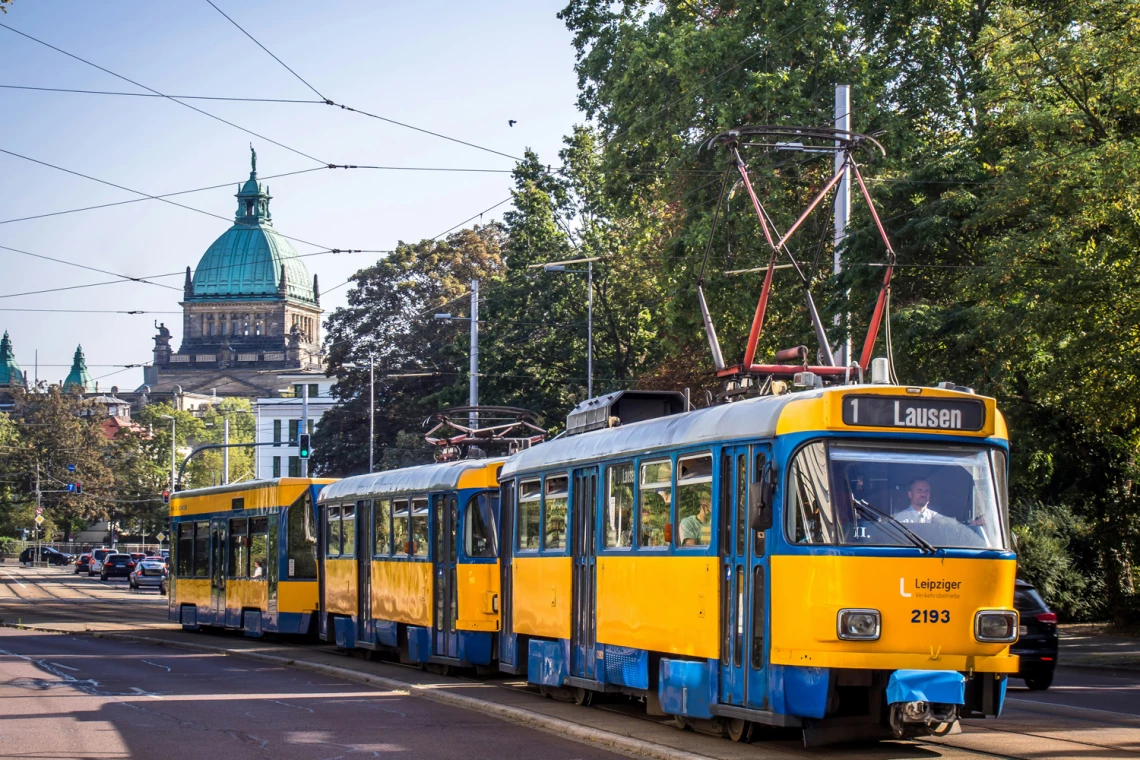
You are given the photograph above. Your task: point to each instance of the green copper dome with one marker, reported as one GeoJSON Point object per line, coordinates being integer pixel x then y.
{"type": "Point", "coordinates": [10, 373]}
{"type": "Point", "coordinates": [250, 258]}
{"type": "Point", "coordinates": [79, 378]}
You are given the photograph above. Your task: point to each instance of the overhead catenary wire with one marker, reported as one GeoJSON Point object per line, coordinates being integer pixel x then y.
{"type": "Point", "coordinates": [156, 92]}
{"type": "Point", "coordinates": [77, 265]}
{"type": "Point", "coordinates": [233, 99]}
{"type": "Point", "coordinates": [93, 311]}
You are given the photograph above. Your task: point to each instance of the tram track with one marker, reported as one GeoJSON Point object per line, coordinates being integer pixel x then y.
{"type": "Point", "coordinates": [1075, 731]}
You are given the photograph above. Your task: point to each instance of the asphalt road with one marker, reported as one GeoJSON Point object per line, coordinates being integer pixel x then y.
{"type": "Point", "coordinates": [81, 696]}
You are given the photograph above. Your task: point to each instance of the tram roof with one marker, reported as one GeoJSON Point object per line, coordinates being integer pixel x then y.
{"type": "Point", "coordinates": [426, 477]}
{"type": "Point", "coordinates": [751, 418]}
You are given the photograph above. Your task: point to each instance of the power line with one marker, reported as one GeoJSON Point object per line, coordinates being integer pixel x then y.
{"type": "Point", "coordinates": [152, 95]}
{"type": "Point", "coordinates": [267, 50]}
{"type": "Point", "coordinates": [88, 268]}
{"type": "Point", "coordinates": [168, 97]}
{"type": "Point", "coordinates": [146, 195]}
{"type": "Point", "coordinates": [93, 311]}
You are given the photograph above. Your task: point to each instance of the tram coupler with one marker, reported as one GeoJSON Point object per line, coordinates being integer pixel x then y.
{"type": "Point", "coordinates": [923, 718]}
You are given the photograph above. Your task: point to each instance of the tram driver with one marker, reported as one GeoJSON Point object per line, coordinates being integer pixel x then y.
{"type": "Point", "coordinates": [919, 511]}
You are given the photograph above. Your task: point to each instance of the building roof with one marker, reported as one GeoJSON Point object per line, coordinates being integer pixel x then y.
{"type": "Point", "coordinates": [250, 259]}
{"type": "Point", "coordinates": [10, 373]}
{"type": "Point", "coordinates": [79, 378]}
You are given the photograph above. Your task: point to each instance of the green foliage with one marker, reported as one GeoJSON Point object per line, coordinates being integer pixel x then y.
{"type": "Point", "coordinates": [1050, 539]}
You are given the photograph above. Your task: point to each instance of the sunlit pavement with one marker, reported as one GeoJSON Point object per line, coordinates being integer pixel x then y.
{"type": "Point", "coordinates": [100, 696]}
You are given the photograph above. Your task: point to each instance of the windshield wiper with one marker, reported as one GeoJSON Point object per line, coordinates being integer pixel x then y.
{"type": "Point", "coordinates": [880, 516]}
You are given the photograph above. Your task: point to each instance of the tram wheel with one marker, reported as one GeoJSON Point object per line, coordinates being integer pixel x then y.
{"type": "Point", "coordinates": [681, 722]}
{"type": "Point", "coordinates": [738, 730]}
{"type": "Point", "coordinates": [583, 697]}
{"type": "Point", "coordinates": [545, 691]}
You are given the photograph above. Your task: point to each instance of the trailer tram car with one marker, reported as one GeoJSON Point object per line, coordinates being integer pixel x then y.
{"type": "Point", "coordinates": [834, 559]}
{"type": "Point", "coordinates": [409, 562]}
{"type": "Point", "coordinates": [245, 556]}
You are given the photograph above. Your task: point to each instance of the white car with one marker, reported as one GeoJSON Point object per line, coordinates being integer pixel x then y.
{"type": "Point", "coordinates": [150, 572]}
{"type": "Point", "coordinates": [97, 557]}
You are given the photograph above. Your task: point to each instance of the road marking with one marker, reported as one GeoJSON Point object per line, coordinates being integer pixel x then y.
{"type": "Point", "coordinates": [65, 667]}
{"type": "Point", "coordinates": [18, 581]}
{"type": "Point", "coordinates": [295, 707]}
{"type": "Point", "coordinates": [155, 664]}
{"type": "Point", "coordinates": [144, 693]}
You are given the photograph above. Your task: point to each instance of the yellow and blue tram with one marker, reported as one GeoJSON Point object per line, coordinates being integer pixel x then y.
{"type": "Point", "coordinates": [409, 562]}
{"type": "Point", "coordinates": [836, 559]}
{"type": "Point", "coordinates": [245, 556]}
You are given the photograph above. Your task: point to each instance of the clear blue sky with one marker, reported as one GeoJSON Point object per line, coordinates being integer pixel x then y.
{"type": "Point", "coordinates": [459, 68]}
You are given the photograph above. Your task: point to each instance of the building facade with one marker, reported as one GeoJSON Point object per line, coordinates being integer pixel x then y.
{"type": "Point", "coordinates": [250, 311]}
{"type": "Point", "coordinates": [279, 422]}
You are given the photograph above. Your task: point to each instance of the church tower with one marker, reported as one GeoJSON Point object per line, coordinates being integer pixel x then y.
{"type": "Point", "coordinates": [250, 307]}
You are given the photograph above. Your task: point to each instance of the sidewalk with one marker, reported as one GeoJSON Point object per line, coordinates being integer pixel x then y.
{"type": "Point", "coordinates": [1086, 645]}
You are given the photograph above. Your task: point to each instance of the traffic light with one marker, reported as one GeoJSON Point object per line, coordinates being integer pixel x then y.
{"type": "Point", "coordinates": [78, 487]}
{"type": "Point", "coordinates": [166, 497]}
{"type": "Point", "coordinates": [303, 445]}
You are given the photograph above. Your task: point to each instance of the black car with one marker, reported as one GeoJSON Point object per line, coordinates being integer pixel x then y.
{"type": "Point", "coordinates": [117, 566]}
{"type": "Point", "coordinates": [83, 564]}
{"type": "Point", "coordinates": [47, 554]}
{"type": "Point", "coordinates": [1037, 644]}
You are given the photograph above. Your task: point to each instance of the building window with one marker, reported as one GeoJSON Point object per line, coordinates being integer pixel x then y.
{"type": "Point", "coordinates": [276, 432]}
{"type": "Point", "coordinates": [294, 467]}
{"type": "Point", "coordinates": [276, 467]}
{"type": "Point", "coordinates": [314, 390]}
{"type": "Point", "coordinates": [294, 426]}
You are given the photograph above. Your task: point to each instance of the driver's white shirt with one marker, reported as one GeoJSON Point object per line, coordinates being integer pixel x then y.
{"type": "Point", "coordinates": [912, 515]}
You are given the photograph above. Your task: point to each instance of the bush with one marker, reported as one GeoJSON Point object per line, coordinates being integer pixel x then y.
{"type": "Point", "coordinates": [1049, 539]}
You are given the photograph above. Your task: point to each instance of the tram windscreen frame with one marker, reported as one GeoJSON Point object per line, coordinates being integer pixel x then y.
{"type": "Point", "coordinates": [856, 494]}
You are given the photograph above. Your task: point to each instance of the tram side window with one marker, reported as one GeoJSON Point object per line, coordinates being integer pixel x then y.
{"type": "Point", "coordinates": [239, 548]}
{"type": "Point", "coordinates": [420, 536]}
{"type": "Point", "coordinates": [185, 548]}
{"type": "Point", "coordinates": [202, 549]}
{"type": "Point", "coordinates": [530, 509]}
{"type": "Point", "coordinates": [348, 530]}
{"type": "Point", "coordinates": [810, 519]}
{"type": "Point", "coordinates": [301, 538]}
{"type": "Point", "coordinates": [381, 525]}
{"type": "Point", "coordinates": [656, 496]}
{"type": "Point", "coordinates": [400, 528]}
{"type": "Point", "coordinates": [332, 532]}
{"type": "Point", "coordinates": [479, 526]}
{"type": "Point", "coordinates": [554, 517]}
{"type": "Point", "coordinates": [258, 547]}
{"type": "Point", "coordinates": [619, 506]}
{"type": "Point", "coordinates": [694, 500]}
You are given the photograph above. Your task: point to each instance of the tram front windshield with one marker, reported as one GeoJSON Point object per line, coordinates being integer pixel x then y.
{"type": "Point", "coordinates": [897, 495]}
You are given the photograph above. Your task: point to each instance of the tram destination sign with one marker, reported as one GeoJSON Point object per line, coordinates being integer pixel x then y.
{"type": "Point", "coordinates": [914, 413]}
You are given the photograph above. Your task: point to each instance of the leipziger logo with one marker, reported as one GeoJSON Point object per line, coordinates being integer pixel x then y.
{"type": "Point", "coordinates": [931, 588]}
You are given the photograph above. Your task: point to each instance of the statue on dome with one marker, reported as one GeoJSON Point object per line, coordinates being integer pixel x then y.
{"type": "Point", "coordinates": [252, 159]}
{"type": "Point", "coordinates": [162, 340]}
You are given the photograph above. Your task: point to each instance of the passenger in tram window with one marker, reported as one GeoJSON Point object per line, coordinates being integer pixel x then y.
{"type": "Point", "coordinates": [256, 573]}
{"type": "Point", "coordinates": [919, 510]}
{"type": "Point", "coordinates": [696, 530]}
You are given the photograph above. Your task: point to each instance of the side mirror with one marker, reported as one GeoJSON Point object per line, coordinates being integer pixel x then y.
{"type": "Point", "coordinates": [761, 499]}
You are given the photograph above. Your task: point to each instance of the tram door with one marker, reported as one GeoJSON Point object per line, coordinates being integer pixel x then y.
{"type": "Point", "coordinates": [218, 535]}
{"type": "Point", "coordinates": [583, 658]}
{"type": "Point", "coordinates": [364, 571]}
{"type": "Point", "coordinates": [508, 641]}
{"type": "Point", "coordinates": [446, 594]}
{"type": "Point", "coordinates": [743, 581]}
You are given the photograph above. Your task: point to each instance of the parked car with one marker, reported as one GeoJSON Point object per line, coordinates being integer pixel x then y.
{"type": "Point", "coordinates": [97, 556]}
{"type": "Point", "coordinates": [150, 573]}
{"type": "Point", "coordinates": [83, 564]}
{"type": "Point", "coordinates": [46, 554]}
{"type": "Point", "coordinates": [117, 566]}
{"type": "Point", "coordinates": [1037, 645]}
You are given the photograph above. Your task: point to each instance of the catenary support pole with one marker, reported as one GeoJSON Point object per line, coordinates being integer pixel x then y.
{"type": "Point", "coordinates": [304, 426]}
{"type": "Point", "coordinates": [589, 329]}
{"type": "Point", "coordinates": [842, 212]}
{"type": "Point", "coordinates": [226, 451]}
{"type": "Point", "coordinates": [473, 388]}
{"type": "Point", "coordinates": [371, 413]}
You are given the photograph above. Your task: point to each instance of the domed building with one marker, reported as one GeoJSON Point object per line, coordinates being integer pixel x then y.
{"type": "Point", "coordinates": [249, 309]}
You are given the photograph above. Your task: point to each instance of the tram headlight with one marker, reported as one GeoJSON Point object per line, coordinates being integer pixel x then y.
{"type": "Point", "coordinates": [859, 625]}
{"type": "Point", "coordinates": [996, 626]}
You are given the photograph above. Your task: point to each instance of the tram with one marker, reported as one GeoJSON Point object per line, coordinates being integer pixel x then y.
{"type": "Point", "coordinates": [409, 562]}
{"type": "Point", "coordinates": [836, 559]}
{"type": "Point", "coordinates": [245, 556]}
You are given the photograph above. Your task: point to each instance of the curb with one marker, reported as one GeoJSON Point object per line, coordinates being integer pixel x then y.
{"type": "Point", "coordinates": [558, 726]}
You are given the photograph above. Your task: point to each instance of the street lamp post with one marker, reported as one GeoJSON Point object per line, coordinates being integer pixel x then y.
{"type": "Point", "coordinates": [371, 409]}
{"type": "Point", "coordinates": [173, 446]}
{"type": "Point", "coordinates": [560, 266]}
